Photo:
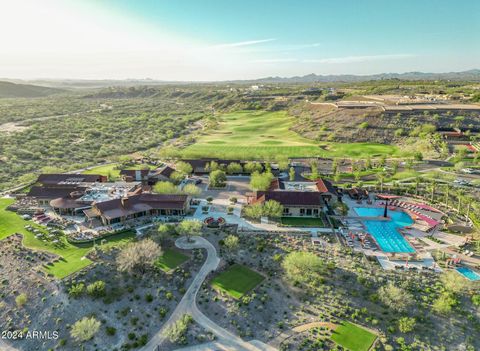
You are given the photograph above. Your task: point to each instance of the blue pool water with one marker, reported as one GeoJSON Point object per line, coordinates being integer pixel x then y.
{"type": "Point", "coordinates": [385, 233]}
{"type": "Point", "coordinates": [468, 273]}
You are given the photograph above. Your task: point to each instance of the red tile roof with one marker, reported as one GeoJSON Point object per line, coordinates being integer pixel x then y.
{"type": "Point", "coordinates": [324, 186]}
{"type": "Point", "coordinates": [290, 198]}
{"type": "Point", "coordinates": [138, 203]}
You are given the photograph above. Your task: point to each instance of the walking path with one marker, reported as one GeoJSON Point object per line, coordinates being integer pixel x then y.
{"type": "Point", "coordinates": [188, 305]}
{"type": "Point", "coordinates": [300, 329]}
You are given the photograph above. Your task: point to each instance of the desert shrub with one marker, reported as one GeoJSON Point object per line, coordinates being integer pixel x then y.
{"type": "Point", "coordinates": [96, 289]}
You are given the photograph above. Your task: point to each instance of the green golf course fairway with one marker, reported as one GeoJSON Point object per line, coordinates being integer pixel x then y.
{"type": "Point", "coordinates": [265, 135]}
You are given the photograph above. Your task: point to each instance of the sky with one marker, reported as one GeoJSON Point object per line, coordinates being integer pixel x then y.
{"type": "Point", "coordinates": [206, 40]}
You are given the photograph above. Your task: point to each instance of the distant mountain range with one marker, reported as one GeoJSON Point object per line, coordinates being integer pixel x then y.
{"type": "Point", "coordinates": [44, 87]}
{"type": "Point", "coordinates": [470, 75]}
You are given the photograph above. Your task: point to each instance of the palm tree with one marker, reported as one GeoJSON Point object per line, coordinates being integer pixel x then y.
{"type": "Point", "coordinates": [468, 209]}
{"type": "Point", "coordinates": [357, 175]}
{"type": "Point", "coordinates": [381, 179]}
{"type": "Point", "coordinates": [417, 183]}
{"type": "Point", "coordinates": [434, 184]}
{"type": "Point", "coordinates": [460, 198]}
{"type": "Point", "coordinates": [447, 188]}
{"type": "Point", "coordinates": [396, 187]}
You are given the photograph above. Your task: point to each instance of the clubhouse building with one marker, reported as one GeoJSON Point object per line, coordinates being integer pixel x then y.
{"type": "Point", "coordinates": [138, 206]}
{"type": "Point", "coordinates": [109, 202]}
{"type": "Point", "coordinates": [299, 199]}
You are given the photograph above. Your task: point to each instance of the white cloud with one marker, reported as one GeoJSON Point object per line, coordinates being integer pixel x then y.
{"type": "Point", "coordinates": [57, 39]}
{"type": "Point", "coordinates": [73, 39]}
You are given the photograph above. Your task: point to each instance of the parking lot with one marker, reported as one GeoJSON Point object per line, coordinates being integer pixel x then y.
{"type": "Point", "coordinates": [237, 186]}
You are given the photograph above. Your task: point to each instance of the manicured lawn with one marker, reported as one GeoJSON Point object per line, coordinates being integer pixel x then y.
{"type": "Point", "coordinates": [237, 280]}
{"type": "Point", "coordinates": [111, 170]}
{"type": "Point", "coordinates": [439, 175]}
{"type": "Point", "coordinates": [352, 337]}
{"type": "Point", "coordinates": [405, 174]}
{"type": "Point", "coordinates": [303, 221]}
{"type": "Point", "coordinates": [72, 255]}
{"type": "Point", "coordinates": [262, 134]}
{"type": "Point", "coordinates": [170, 260]}
{"type": "Point", "coordinates": [105, 170]}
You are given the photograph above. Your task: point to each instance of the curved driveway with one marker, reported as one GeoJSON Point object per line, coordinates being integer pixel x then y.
{"type": "Point", "coordinates": [188, 305]}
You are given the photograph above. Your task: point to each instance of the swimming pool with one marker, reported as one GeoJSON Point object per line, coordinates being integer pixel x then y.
{"type": "Point", "coordinates": [468, 273]}
{"type": "Point", "coordinates": [385, 233]}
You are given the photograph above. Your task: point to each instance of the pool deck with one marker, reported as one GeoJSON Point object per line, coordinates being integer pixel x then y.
{"type": "Point", "coordinates": [390, 264]}
{"type": "Point", "coordinates": [364, 218]}
{"type": "Point", "coordinates": [355, 223]}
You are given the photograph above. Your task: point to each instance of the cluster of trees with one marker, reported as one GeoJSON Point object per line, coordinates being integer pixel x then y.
{"type": "Point", "coordinates": [218, 173]}
{"type": "Point", "coordinates": [217, 178]}
{"type": "Point", "coordinates": [95, 289]}
{"type": "Point", "coordinates": [303, 267]}
{"type": "Point", "coordinates": [187, 228]}
{"type": "Point", "coordinates": [271, 209]}
{"type": "Point", "coordinates": [435, 192]}
{"type": "Point", "coordinates": [182, 169]}
{"type": "Point", "coordinates": [235, 167]}
{"type": "Point", "coordinates": [453, 285]}
{"type": "Point", "coordinates": [170, 188]}
{"type": "Point", "coordinates": [140, 256]}
{"type": "Point", "coordinates": [394, 297]}
{"type": "Point", "coordinates": [398, 299]}
{"type": "Point", "coordinates": [261, 181]}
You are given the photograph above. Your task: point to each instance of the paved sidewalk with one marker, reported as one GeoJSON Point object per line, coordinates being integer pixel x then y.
{"type": "Point", "coordinates": [218, 208]}
{"type": "Point", "coordinates": [189, 306]}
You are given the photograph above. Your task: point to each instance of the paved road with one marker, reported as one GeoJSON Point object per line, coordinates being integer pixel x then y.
{"type": "Point", "coordinates": [188, 305]}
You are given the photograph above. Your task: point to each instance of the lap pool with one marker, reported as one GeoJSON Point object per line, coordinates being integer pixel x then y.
{"type": "Point", "coordinates": [385, 233]}
{"type": "Point", "coordinates": [468, 273]}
